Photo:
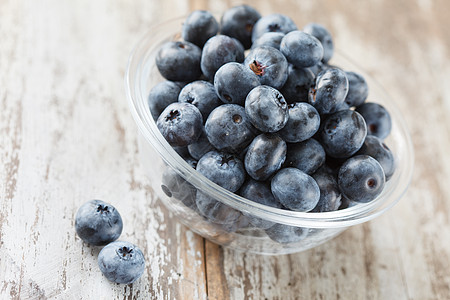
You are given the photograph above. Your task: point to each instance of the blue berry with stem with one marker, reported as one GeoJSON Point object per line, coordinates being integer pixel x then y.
{"type": "Point", "coordinates": [269, 64]}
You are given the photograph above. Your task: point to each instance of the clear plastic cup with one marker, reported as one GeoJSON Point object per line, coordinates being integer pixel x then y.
{"type": "Point", "coordinates": [307, 229]}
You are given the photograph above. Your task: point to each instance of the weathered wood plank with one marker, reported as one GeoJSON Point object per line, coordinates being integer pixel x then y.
{"type": "Point", "coordinates": [66, 137]}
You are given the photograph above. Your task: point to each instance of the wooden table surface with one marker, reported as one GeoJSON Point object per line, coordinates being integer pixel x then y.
{"type": "Point", "coordinates": [67, 136]}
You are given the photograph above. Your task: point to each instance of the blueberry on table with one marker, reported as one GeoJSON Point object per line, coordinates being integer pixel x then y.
{"type": "Point", "coordinates": [269, 64]}
{"type": "Point", "coordinates": [180, 124]}
{"type": "Point", "coordinates": [285, 234]}
{"type": "Point", "coordinates": [301, 49]}
{"type": "Point", "coordinates": [175, 186]}
{"type": "Point", "coordinates": [330, 195]}
{"type": "Point", "coordinates": [219, 50]}
{"type": "Point", "coordinates": [161, 95]}
{"type": "Point", "coordinates": [358, 90]}
{"type": "Point", "coordinates": [266, 108]}
{"type": "Point", "coordinates": [198, 27]}
{"type": "Point", "coordinates": [233, 81]}
{"type": "Point", "coordinates": [229, 129]}
{"type": "Point", "coordinates": [361, 178]}
{"type": "Point", "coordinates": [269, 39]}
{"type": "Point", "coordinates": [295, 189]}
{"type": "Point", "coordinates": [121, 262]}
{"type": "Point", "coordinates": [330, 91]}
{"type": "Point", "coordinates": [259, 192]}
{"type": "Point", "coordinates": [98, 223]}
{"type": "Point", "coordinates": [265, 155]}
{"type": "Point", "coordinates": [201, 94]}
{"type": "Point", "coordinates": [343, 133]}
{"type": "Point", "coordinates": [375, 148]}
{"type": "Point", "coordinates": [324, 36]}
{"type": "Point", "coordinates": [297, 85]}
{"type": "Point", "coordinates": [377, 118]}
{"type": "Point", "coordinates": [179, 61]}
{"type": "Point", "coordinates": [303, 123]}
{"type": "Point", "coordinates": [273, 23]}
{"type": "Point", "coordinates": [238, 22]}
{"type": "Point", "coordinates": [307, 156]}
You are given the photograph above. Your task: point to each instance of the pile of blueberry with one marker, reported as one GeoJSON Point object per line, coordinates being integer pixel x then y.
{"type": "Point", "coordinates": [253, 104]}
{"type": "Point", "coordinates": [99, 224]}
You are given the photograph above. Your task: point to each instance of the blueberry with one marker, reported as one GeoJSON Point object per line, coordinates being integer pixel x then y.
{"type": "Point", "coordinates": [179, 61]}
{"type": "Point", "coordinates": [260, 193]}
{"type": "Point", "coordinates": [303, 123]}
{"type": "Point", "coordinates": [297, 85]}
{"type": "Point", "coordinates": [238, 22]}
{"type": "Point", "coordinates": [272, 23]}
{"type": "Point", "coordinates": [175, 186]}
{"type": "Point", "coordinates": [229, 129]}
{"type": "Point", "coordinates": [227, 171]}
{"type": "Point", "coordinates": [295, 189]}
{"type": "Point", "coordinates": [182, 151]}
{"type": "Point", "coordinates": [285, 234]}
{"type": "Point", "coordinates": [241, 223]}
{"type": "Point", "coordinates": [201, 94]}
{"type": "Point", "coordinates": [269, 64]}
{"type": "Point", "coordinates": [266, 109]}
{"type": "Point", "coordinates": [98, 223]}
{"type": "Point", "coordinates": [324, 36]}
{"type": "Point", "coordinates": [265, 155]}
{"type": "Point", "coordinates": [215, 211]}
{"type": "Point", "coordinates": [329, 91]}
{"type": "Point", "coordinates": [307, 156]}
{"type": "Point", "coordinates": [219, 50]}
{"type": "Point", "coordinates": [319, 67]}
{"type": "Point", "coordinates": [330, 195]}
{"type": "Point", "coordinates": [301, 49]}
{"type": "Point", "coordinates": [270, 39]}
{"type": "Point", "coordinates": [233, 81]}
{"type": "Point", "coordinates": [200, 147]}
{"type": "Point", "coordinates": [361, 178]}
{"type": "Point", "coordinates": [223, 169]}
{"type": "Point", "coordinates": [375, 147]}
{"type": "Point", "coordinates": [358, 90]}
{"type": "Point", "coordinates": [377, 118]}
{"type": "Point", "coordinates": [343, 133]}
{"type": "Point", "coordinates": [121, 262]}
{"type": "Point", "coordinates": [180, 124]}
{"type": "Point", "coordinates": [161, 95]}
{"type": "Point", "coordinates": [198, 27]}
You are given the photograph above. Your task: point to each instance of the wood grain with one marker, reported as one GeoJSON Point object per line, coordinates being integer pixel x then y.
{"type": "Point", "coordinates": [66, 136]}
